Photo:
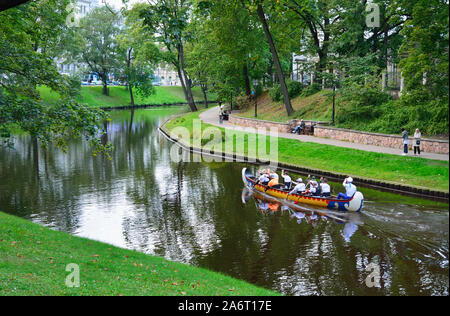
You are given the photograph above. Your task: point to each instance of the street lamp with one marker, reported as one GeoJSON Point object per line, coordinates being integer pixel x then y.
{"type": "Point", "coordinates": [255, 85]}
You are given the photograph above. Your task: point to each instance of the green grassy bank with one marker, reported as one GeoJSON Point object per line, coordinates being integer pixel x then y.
{"type": "Point", "coordinates": [412, 171]}
{"type": "Point", "coordinates": [33, 261]}
{"type": "Point", "coordinates": [316, 107]}
{"type": "Point", "coordinates": [119, 96]}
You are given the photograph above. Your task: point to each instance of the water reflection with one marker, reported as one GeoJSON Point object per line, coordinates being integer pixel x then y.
{"type": "Point", "coordinates": [303, 214]}
{"type": "Point", "coordinates": [193, 213]}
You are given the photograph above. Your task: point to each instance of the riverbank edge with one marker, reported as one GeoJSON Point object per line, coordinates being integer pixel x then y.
{"type": "Point", "coordinates": [386, 186]}
{"type": "Point", "coordinates": [143, 106]}
{"type": "Point", "coordinates": [33, 253]}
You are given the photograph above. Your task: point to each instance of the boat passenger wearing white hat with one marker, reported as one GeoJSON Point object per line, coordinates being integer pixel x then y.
{"type": "Point", "coordinates": [300, 187]}
{"type": "Point", "coordinates": [350, 189]}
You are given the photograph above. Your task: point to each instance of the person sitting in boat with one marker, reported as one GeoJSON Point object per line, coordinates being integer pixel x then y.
{"type": "Point", "coordinates": [350, 189]}
{"type": "Point", "coordinates": [273, 174]}
{"type": "Point", "coordinates": [264, 178]}
{"type": "Point", "coordinates": [287, 180]}
{"type": "Point", "coordinates": [324, 187]}
{"type": "Point", "coordinates": [300, 188]}
{"type": "Point", "coordinates": [273, 182]}
{"type": "Point", "coordinates": [314, 188]}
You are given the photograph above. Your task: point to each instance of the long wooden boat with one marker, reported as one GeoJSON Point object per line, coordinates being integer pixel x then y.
{"type": "Point", "coordinates": [354, 204]}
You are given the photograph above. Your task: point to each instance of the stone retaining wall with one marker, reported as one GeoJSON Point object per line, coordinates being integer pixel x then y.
{"type": "Point", "coordinates": [383, 140]}
{"type": "Point", "coordinates": [248, 122]}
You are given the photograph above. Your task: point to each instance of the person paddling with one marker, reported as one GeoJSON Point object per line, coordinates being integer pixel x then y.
{"type": "Point", "coordinates": [350, 189]}
{"type": "Point", "coordinates": [299, 188]}
{"type": "Point", "coordinates": [287, 180]}
{"type": "Point", "coordinates": [325, 187]}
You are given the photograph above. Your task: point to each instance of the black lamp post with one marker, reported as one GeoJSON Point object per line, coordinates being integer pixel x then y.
{"type": "Point", "coordinates": [255, 85]}
{"type": "Point", "coordinates": [334, 103]}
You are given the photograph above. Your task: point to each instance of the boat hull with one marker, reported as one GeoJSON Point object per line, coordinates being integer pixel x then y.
{"type": "Point", "coordinates": [354, 204]}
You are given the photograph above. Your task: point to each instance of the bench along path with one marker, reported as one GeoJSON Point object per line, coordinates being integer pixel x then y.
{"type": "Point", "coordinates": [211, 116]}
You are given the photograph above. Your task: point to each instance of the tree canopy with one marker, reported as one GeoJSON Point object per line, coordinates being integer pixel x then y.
{"type": "Point", "coordinates": [26, 64]}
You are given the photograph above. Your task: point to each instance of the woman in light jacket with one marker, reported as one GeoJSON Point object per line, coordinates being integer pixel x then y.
{"type": "Point", "coordinates": [417, 136]}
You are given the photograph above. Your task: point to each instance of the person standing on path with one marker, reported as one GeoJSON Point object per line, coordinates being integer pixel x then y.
{"type": "Point", "coordinates": [417, 136]}
{"type": "Point", "coordinates": [405, 141]}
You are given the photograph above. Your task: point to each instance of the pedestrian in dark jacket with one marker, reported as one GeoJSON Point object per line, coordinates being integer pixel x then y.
{"type": "Point", "coordinates": [405, 141]}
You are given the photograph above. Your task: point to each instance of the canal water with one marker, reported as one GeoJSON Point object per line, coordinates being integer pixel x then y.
{"type": "Point", "coordinates": [199, 213]}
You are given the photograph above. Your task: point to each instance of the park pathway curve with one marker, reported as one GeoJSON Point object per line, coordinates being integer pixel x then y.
{"type": "Point", "coordinates": [211, 116]}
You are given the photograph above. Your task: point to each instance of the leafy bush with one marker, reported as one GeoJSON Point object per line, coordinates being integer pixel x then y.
{"type": "Point", "coordinates": [275, 93]}
{"type": "Point", "coordinates": [259, 90]}
{"type": "Point", "coordinates": [360, 104]}
{"type": "Point", "coordinates": [74, 84]}
{"type": "Point", "coordinates": [369, 109]}
{"type": "Point", "coordinates": [241, 103]}
{"type": "Point", "coordinates": [311, 89]}
{"type": "Point", "coordinates": [294, 90]}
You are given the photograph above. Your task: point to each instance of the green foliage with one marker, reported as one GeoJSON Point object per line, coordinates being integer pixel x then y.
{"type": "Point", "coordinates": [311, 89]}
{"type": "Point", "coordinates": [241, 102]}
{"type": "Point", "coordinates": [25, 65]}
{"type": "Point", "coordinates": [275, 93]}
{"type": "Point", "coordinates": [74, 83]}
{"type": "Point", "coordinates": [430, 117]}
{"type": "Point", "coordinates": [96, 44]}
{"type": "Point", "coordinates": [294, 90]}
{"type": "Point", "coordinates": [359, 104]}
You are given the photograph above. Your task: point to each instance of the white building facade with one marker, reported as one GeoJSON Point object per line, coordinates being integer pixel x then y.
{"type": "Point", "coordinates": [82, 8]}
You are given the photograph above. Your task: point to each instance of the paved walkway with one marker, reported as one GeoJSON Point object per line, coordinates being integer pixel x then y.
{"type": "Point", "coordinates": [211, 116]}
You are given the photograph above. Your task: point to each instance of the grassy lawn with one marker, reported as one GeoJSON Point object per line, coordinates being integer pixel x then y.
{"type": "Point", "coordinates": [412, 171]}
{"type": "Point", "coordinates": [34, 258]}
{"type": "Point", "coordinates": [119, 96]}
{"type": "Point", "coordinates": [317, 107]}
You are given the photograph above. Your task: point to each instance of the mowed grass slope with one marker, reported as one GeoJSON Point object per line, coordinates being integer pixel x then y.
{"type": "Point", "coordinates": [412, 171]}
{"type": "Point", "coordinates": [317, 107]}
{"type": "Point", "coordinates": [33, 261]}
{"type": "Point", "coordinates": [119, 96]}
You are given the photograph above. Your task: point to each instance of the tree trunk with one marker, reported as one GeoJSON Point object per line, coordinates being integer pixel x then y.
{"type": "Point", "coordinates": [205, 98]}
{"type": "Point", "coordinates": [190, 98]}
{"type": "Point", "coordinates": [130, 89]}
{"type": "Point", "coordinates": [105, 84]}
{"type": "Point", "coordinates": [287, 101]}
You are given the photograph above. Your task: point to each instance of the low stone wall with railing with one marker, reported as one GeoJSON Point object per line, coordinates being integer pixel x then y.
{"type": "Point", "coordinates": [383, 140]}
{"type": "Point", "coordinates": [254, 123]}
{"type": "Point", "coordinates": [320, 130]}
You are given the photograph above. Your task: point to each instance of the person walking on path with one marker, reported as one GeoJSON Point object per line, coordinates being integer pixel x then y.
{"type": "Point", "coordinates": [405, 141]}
{"type": "Point", "coordinates": [417, 136]}
{"type": "Point", "coordinates": [221, 112]}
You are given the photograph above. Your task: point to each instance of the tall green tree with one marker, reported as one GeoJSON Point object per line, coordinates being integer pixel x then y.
{"type": "Point", "coordinates": [23, 69]}
{"type": "Point", "coordinates": [137, 55]}
{"type": "Point", "coordinates": [168, 20]}
{"type": "Point", "coordinates": [261, 10]}
{"type": "Point", "coordinates": [96, 43]}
